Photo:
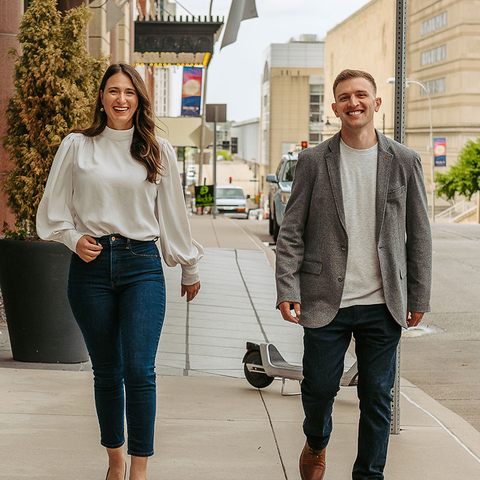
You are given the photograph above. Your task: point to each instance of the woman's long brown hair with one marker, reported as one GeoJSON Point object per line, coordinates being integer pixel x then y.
{"type": "Point", "coordinates": [144, 147]}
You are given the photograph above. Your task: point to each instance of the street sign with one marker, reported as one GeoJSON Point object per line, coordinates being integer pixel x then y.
{"type": "Point", "coordinates": [221, 112]}
{"type": "Point", "coordinates": [204, 196]}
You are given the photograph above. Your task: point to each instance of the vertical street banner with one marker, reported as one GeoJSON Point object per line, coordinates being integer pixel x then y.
{"type": "Point", "coordinates": [440, 152]}
{"type": "Point", "coordinates": [191, 91]}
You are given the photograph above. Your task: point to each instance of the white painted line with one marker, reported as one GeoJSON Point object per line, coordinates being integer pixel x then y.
{"type": "Point", "coordinates": [254, 242]}
{"type": "Point", "coordinates": [443, 426]}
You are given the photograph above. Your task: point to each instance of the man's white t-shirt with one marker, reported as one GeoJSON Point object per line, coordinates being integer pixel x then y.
{"type": "Point", "coordinates": [363, 281]}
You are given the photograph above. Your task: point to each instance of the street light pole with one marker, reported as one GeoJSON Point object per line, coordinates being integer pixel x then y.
{"type": "Point", "coordinates": [432, 153]}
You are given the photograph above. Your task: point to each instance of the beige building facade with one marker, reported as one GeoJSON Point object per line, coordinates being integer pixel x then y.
{"type": "Point", "coordinates": [443, 53]}
{"type": "Point", "coordinates": [292, 99]}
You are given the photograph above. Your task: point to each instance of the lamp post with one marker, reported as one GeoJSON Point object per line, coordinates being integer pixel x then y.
{"type": "Point", "coordinates": [432, 154]}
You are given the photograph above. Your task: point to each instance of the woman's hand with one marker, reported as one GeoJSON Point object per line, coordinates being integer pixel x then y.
{"type": "Point", "coordinates": [191, 291]}
{"type": "Point", "coordinates": [88, 249]}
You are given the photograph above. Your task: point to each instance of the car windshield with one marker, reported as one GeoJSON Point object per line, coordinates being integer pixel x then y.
{"type": "Point", "coordinates": [236, 193]}
{"type": "Point", "coordinates": [289, 171]}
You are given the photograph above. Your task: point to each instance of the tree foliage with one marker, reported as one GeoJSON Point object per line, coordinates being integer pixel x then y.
{"type": "Point", "coordinates": [56, 81]}
{"type": "Point", "coordinates": [464, 176]}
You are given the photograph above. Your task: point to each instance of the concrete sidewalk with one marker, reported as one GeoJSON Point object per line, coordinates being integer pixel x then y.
{"type": "Point", "coordinates": [211, 424]}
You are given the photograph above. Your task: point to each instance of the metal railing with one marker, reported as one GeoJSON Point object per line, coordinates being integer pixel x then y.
{"type": "Point", "coordinates": [457, 210]}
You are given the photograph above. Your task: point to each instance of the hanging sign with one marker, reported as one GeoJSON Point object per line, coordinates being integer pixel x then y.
{"type": "Point", "coordinates": [204, 196]}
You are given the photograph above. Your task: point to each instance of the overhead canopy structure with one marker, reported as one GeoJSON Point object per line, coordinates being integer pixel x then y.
{"type": "Point", "coordinates": [183, 131]}
{"type": "Point", "coordinates": [168, 41]}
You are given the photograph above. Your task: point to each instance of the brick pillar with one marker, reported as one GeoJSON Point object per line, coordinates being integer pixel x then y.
{"type": "Point", "coordinates": [10, 17]}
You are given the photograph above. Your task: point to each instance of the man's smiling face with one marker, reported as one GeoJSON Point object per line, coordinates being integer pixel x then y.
{"type": "Point", "coordinates": [355, 103]}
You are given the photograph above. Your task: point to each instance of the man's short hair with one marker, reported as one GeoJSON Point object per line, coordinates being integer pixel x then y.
{"type": "Point", "coordinates": [349, 73]}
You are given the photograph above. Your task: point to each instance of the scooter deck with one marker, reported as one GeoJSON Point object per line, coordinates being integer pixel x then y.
{"type": "Point", "coordinates": [274, 365]}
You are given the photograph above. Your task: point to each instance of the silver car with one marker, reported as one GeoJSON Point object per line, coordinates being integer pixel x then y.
{"type": "Point", "coordinates": [280, 188]}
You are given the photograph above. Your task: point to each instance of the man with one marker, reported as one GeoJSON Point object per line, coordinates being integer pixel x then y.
{"type": "Point", "coordinates": [353, 258]}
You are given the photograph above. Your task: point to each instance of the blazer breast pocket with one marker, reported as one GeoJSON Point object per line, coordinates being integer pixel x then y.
{"type": "Point", "coordinates": [315, 268]}
{"type": "Point", "coordinates": [396, 192]}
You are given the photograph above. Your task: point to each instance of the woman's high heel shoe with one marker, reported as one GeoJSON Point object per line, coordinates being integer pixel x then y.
{"type": "Point", "coordinates": [124, 477]}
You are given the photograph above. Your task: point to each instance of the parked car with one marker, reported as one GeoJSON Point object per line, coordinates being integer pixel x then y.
{"type": "Point", "coordinates": [280, 188]}
{"type": "Point", "coordinates": [232, 200]}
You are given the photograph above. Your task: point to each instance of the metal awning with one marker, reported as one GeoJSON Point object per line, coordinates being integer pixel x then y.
{"type": "Point", "coordinates": [183, 131]}
{"type": "Point", "coordinates": [168, 41]}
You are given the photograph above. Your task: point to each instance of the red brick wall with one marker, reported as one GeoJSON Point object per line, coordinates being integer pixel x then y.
{"type": "Point", "coordinates": [10, 17]}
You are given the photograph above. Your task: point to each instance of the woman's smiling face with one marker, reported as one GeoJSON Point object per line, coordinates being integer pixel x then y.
{"type": "Point", "coordinates": [120, 101]}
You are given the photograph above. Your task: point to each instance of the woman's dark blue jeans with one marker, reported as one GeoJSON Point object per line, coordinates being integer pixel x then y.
{"type": "Point", "coordinates": [118, 300]}
{"type": "Point", "coordinates": [376, 338]}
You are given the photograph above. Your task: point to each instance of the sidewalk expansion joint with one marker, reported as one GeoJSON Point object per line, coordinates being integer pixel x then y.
{"type": "Point", "coordinates": [274, 435]}
{"type": "Point", "coordinates": [250, 298]}
{"type": "Point", "coordinates": [187, 342]}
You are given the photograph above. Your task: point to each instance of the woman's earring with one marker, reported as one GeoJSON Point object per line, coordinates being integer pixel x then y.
{"type": "Point", "coordinates": [102, 110]}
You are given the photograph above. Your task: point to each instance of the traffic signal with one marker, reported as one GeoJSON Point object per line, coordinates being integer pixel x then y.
{"type": "Point", "coordinates": [229, 179]}
{"type": "Point", "coordinates": [234, 141]}
{"type": "Point", "coordinates": [304, 145]}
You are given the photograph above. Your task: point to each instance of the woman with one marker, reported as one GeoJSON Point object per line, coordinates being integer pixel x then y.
{"type": "Point", "coordinates": [113, 190]}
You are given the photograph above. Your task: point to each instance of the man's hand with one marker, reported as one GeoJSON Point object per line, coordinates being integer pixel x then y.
{"type": "Point", "coordinates": [414, 318]}
{"type": "Point", "coordinates": [191, 291]}
{"type": "Point", "coordinates": [286, 308]}
{"type": "Point", "coordinates": [87, 248]}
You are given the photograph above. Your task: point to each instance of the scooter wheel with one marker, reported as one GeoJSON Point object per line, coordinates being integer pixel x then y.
{"type": "Point", "coordinates": [257, 380]}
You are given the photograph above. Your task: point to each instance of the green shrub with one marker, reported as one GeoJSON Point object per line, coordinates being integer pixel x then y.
{"type": "Point", "coordinates": [56, 81]}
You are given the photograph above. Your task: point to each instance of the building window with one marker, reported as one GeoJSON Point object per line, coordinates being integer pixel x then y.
{"type": "Point", "coordinates": [433, 24]}
{"type": "Point", "coordinates": [316, 103]}
{"type": "Point", "coordinates": [265, 100]}
{"type": "Point", "coordinates": [434, 86]}
{"type": "Point", "coordinates": [314, 139]}
{"type": "Point", "coordinates": [435, 55]}
{"type": "Point", "coordinates": [266, 72]}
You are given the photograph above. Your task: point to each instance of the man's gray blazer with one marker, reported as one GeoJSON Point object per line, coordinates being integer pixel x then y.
{"type": "Point", "coordinates": [312, 245]}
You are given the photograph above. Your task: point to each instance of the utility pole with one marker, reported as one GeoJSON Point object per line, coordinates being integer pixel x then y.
{"type": "Point", "coordinates": [399, 136]}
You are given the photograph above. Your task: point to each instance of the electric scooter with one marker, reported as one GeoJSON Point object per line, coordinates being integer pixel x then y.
{"type": "Point", "coordinates": [262, 363]}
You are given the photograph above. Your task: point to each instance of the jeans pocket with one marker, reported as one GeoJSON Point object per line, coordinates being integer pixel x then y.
{"type": "Point", "coordinates": [144, 249]}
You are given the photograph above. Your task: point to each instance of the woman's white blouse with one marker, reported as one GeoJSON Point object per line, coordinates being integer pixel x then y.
{"type": "Point", "coordinates": [96, 188]}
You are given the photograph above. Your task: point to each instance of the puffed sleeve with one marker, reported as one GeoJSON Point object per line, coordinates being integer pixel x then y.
{"type": "Point", "coordinates": [176, 242]}
{"type": "Point", "coordinates": [54, 216]}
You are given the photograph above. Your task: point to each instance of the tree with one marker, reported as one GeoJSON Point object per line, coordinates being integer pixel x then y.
{"type": "Point", "coordinates": [464, 177]}
{"type": "Point", "coordinates": [55, 81]}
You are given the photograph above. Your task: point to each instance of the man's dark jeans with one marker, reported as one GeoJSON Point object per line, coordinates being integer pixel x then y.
{"type": "Point", "coordinates": [376, 338]}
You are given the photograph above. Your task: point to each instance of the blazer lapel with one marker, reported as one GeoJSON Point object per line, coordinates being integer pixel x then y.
{"type": "Point", "coordinates": [384, 162]}
{"type": "Point", "coordinates": [333, 168]}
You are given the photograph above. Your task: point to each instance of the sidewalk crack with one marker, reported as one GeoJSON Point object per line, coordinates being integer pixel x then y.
{"type": "Point", "coordinates": [274, 435]}
{"type": "Point", "coordinates": [251, 299]}
{"type": "Point", "coordinates": [187, 342]}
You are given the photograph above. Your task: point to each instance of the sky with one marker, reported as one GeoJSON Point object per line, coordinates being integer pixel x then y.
{"type": "Point", "coordinates": [234, 72]}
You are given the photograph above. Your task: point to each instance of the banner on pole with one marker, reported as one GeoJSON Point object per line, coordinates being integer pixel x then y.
{"type": "Point", "coordinates": [191, 91]}
{"type": "Point", "coordinates": [440, 152]}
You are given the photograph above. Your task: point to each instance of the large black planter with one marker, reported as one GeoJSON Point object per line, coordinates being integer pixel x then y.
{"type": "Point", "coordinates": [33, 278]}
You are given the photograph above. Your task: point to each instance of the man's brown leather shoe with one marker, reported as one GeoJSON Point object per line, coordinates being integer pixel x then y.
{"type": "Point", "coordinates": [312, 463]}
